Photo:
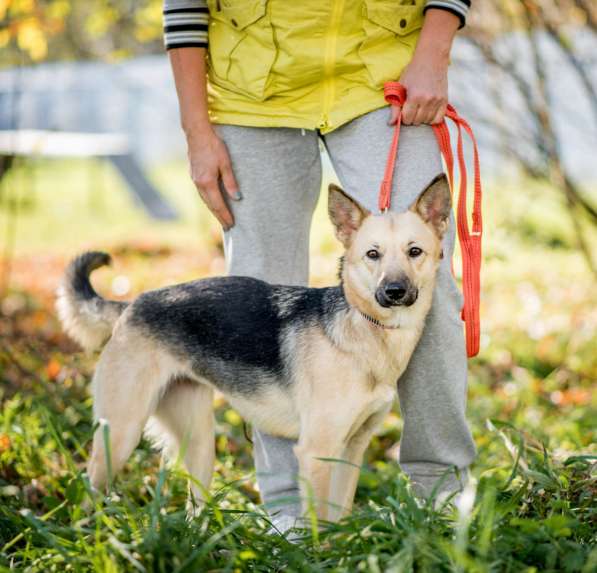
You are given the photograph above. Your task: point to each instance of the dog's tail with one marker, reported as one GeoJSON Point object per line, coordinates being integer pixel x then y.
{"type": "Point", "coordinates": [85, 315]}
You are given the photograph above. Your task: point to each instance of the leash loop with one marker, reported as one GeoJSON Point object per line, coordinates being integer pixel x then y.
{"type": "Point", "coordinates": [468, 237]}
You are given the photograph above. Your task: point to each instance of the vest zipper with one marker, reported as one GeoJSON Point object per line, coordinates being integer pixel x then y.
{"type": "Point", "coordinates": [330, 63]}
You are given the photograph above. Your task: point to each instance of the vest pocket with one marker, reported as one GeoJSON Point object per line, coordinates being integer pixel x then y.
{"type": "Point", "coordinates": [390, 30]}
{"type": "Point", "coordinates": [400, 18]}
{"type": "Point", "coordinates": [241, 46]}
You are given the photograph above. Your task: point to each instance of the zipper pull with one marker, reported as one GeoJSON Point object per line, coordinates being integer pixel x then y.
{"type": "Point", "coordinates": [323, 124]}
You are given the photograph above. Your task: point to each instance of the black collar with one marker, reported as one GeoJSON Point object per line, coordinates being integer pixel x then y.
{"type": "Point", "coordinates": [376, 322]}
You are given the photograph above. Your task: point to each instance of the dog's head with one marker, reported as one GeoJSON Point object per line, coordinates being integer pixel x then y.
{"type": "Point", "coordinates": [391, 259]}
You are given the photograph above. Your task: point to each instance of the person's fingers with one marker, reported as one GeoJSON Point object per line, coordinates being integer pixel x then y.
{"type": "Point", "coordinates": [394, 112]}
{"type": "Point", "coordinates": [226, 172]}
{"type": "Point", "coordinates": [425, 113]}
{"type": "Point", "coordinates": [229, 181]}
{"type": "Point", "coordinates": [439, 114]}
{"type": "Point", "coordinates": [218, 206]}
{"type": "Point", "coordinates": [427, 109]}
{"type": "Point", "coordinates": [209, 189]}
{"type": "Point", "coordinates": [409, 111]}
{"type": "Point", "coordinates": [420, 116]}
{"type": "Point", "coordinates": [430, 111]}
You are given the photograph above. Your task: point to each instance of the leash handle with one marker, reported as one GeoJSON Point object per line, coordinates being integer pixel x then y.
{"type": "Point", "coordinates": [469, 238]}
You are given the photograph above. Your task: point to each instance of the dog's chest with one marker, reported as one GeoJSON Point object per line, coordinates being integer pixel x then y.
{"type": "Point", "coordinates": [366, 414]}
{"type": "Point", "coordinates": [272, 410]}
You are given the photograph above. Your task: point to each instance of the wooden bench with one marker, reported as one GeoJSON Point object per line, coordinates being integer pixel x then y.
{"type": "Point", "coordinates": [113, 147]}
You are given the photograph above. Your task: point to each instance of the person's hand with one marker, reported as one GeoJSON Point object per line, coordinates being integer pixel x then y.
{"type": "Point", "coordinates": [209, 163]}
{"type": "Point", "coordinates": [426, 76]}
{"type": "Point", "coordinates": [426, 83]}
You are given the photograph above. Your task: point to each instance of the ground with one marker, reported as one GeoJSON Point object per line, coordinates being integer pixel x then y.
{"type": "Point", "coordinates": [531, 505]}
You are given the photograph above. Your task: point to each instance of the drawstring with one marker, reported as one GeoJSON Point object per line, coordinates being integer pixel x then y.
{"type": "Point", "coordinates": [469, 239]}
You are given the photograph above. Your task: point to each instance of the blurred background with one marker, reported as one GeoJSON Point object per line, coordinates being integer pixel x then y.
{"type": "Point", "coordinates": [92, 157]}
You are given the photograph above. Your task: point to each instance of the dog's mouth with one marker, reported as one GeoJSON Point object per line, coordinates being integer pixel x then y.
{"type": "Point", "coordinates": [388, 298]}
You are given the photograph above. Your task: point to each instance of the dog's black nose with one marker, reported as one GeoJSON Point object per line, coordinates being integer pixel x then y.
{"type": "Point", "coordinates": [395, 292]}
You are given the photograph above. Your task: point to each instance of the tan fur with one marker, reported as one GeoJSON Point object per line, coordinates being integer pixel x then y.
{"type": "Point", "coordinates": [82, 322]}
{"type": "Point", "coordinates": [88, 319]}
{"type": "Point", "coordinates": [344, 380]}
{"type": "Point", "coordinates": [184, 418]}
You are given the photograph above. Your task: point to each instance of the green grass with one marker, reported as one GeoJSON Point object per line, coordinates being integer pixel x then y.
{"type": "Point", "coordinates": [531, 406]}
{"type": "Point", "coordinates": [59, 200]}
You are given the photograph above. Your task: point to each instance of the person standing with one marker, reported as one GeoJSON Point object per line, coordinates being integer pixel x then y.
{"type": "Point", "coordinates": [260, 83]}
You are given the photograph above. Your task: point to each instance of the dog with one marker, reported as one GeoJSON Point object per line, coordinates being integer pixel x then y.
{"type": "Point", "coordinates": [318, 365]}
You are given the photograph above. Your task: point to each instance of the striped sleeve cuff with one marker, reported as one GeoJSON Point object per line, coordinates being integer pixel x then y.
{"type": "Point", "coordinates": [185, 24]}
{"type": "Point", "coordinates": [459, 8]}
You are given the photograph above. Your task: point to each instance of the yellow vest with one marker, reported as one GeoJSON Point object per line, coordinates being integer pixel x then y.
{"type": "Point", "coordinates": [312, 64]}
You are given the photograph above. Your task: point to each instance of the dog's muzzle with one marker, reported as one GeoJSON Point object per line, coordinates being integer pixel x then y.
{"type": "Point", "coordinates": [396, 293]}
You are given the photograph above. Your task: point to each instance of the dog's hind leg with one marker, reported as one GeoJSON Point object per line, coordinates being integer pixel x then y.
{"type": "Point", "coordinates": [185, 415]}
{"type": "Point", "coordinates": [129, 378]}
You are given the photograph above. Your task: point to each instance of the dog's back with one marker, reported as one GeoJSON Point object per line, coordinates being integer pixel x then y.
{"type": "Point", "coordinates": [232, 331]}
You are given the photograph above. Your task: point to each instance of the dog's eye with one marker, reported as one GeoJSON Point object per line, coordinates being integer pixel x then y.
{"type": "Point", "coordinates": [414, 252]}
{"type": "Point", "coordinates": [373, 254]}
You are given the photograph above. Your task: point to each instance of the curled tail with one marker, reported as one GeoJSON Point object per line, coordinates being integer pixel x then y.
{"type": "Point", "coordinates": [85, 315]}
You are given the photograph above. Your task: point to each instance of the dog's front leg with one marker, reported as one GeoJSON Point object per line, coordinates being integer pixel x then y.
{"type": "Point", "coordinates": [345, 476]}
{"type": "Point", "coordinates": [313, 452]}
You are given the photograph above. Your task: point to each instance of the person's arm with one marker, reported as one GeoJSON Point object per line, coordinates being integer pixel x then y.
{"type": "Point", "coordinates": [185, 37]}
{"type": "Point", "coordinates": [426, 76]}
{"type": "Point", "coordinates": [208, 157]}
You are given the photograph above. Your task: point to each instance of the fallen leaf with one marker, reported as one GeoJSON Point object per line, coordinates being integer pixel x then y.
{"type": "Point", "coordinates": [53, 368]}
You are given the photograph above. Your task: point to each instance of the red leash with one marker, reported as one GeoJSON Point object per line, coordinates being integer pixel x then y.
{"type": "Point", "coordinates": [470, 240]}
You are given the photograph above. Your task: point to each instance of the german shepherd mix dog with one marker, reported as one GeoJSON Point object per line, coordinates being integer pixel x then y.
{"type": "Point", "coordinates": [318, 365]}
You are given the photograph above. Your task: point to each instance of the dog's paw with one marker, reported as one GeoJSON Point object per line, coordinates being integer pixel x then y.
{"type": "Point", "coordinates": [91, 500]}
{"type": "Point", "coordinates": [282, 523]}
{"type": "Point", "coordinates": [194, 508]}
{"type": "Point", "coordinates": [292, 528]}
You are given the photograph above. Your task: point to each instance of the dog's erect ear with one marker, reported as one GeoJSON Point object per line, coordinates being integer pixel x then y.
{"type": "Point", "coordinates": [346, 214]}
{"type": "Point", "coordinates": [434, 204]}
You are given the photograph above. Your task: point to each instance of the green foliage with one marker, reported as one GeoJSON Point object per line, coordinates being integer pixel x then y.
{"type": "Point", "coordinates": [532, 513]}
{"type": "Point", "coordinates": [45, 30]}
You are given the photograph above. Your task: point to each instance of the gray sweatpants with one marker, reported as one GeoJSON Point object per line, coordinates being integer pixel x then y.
{"type": "Point", "coordinates": [279, 174]}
